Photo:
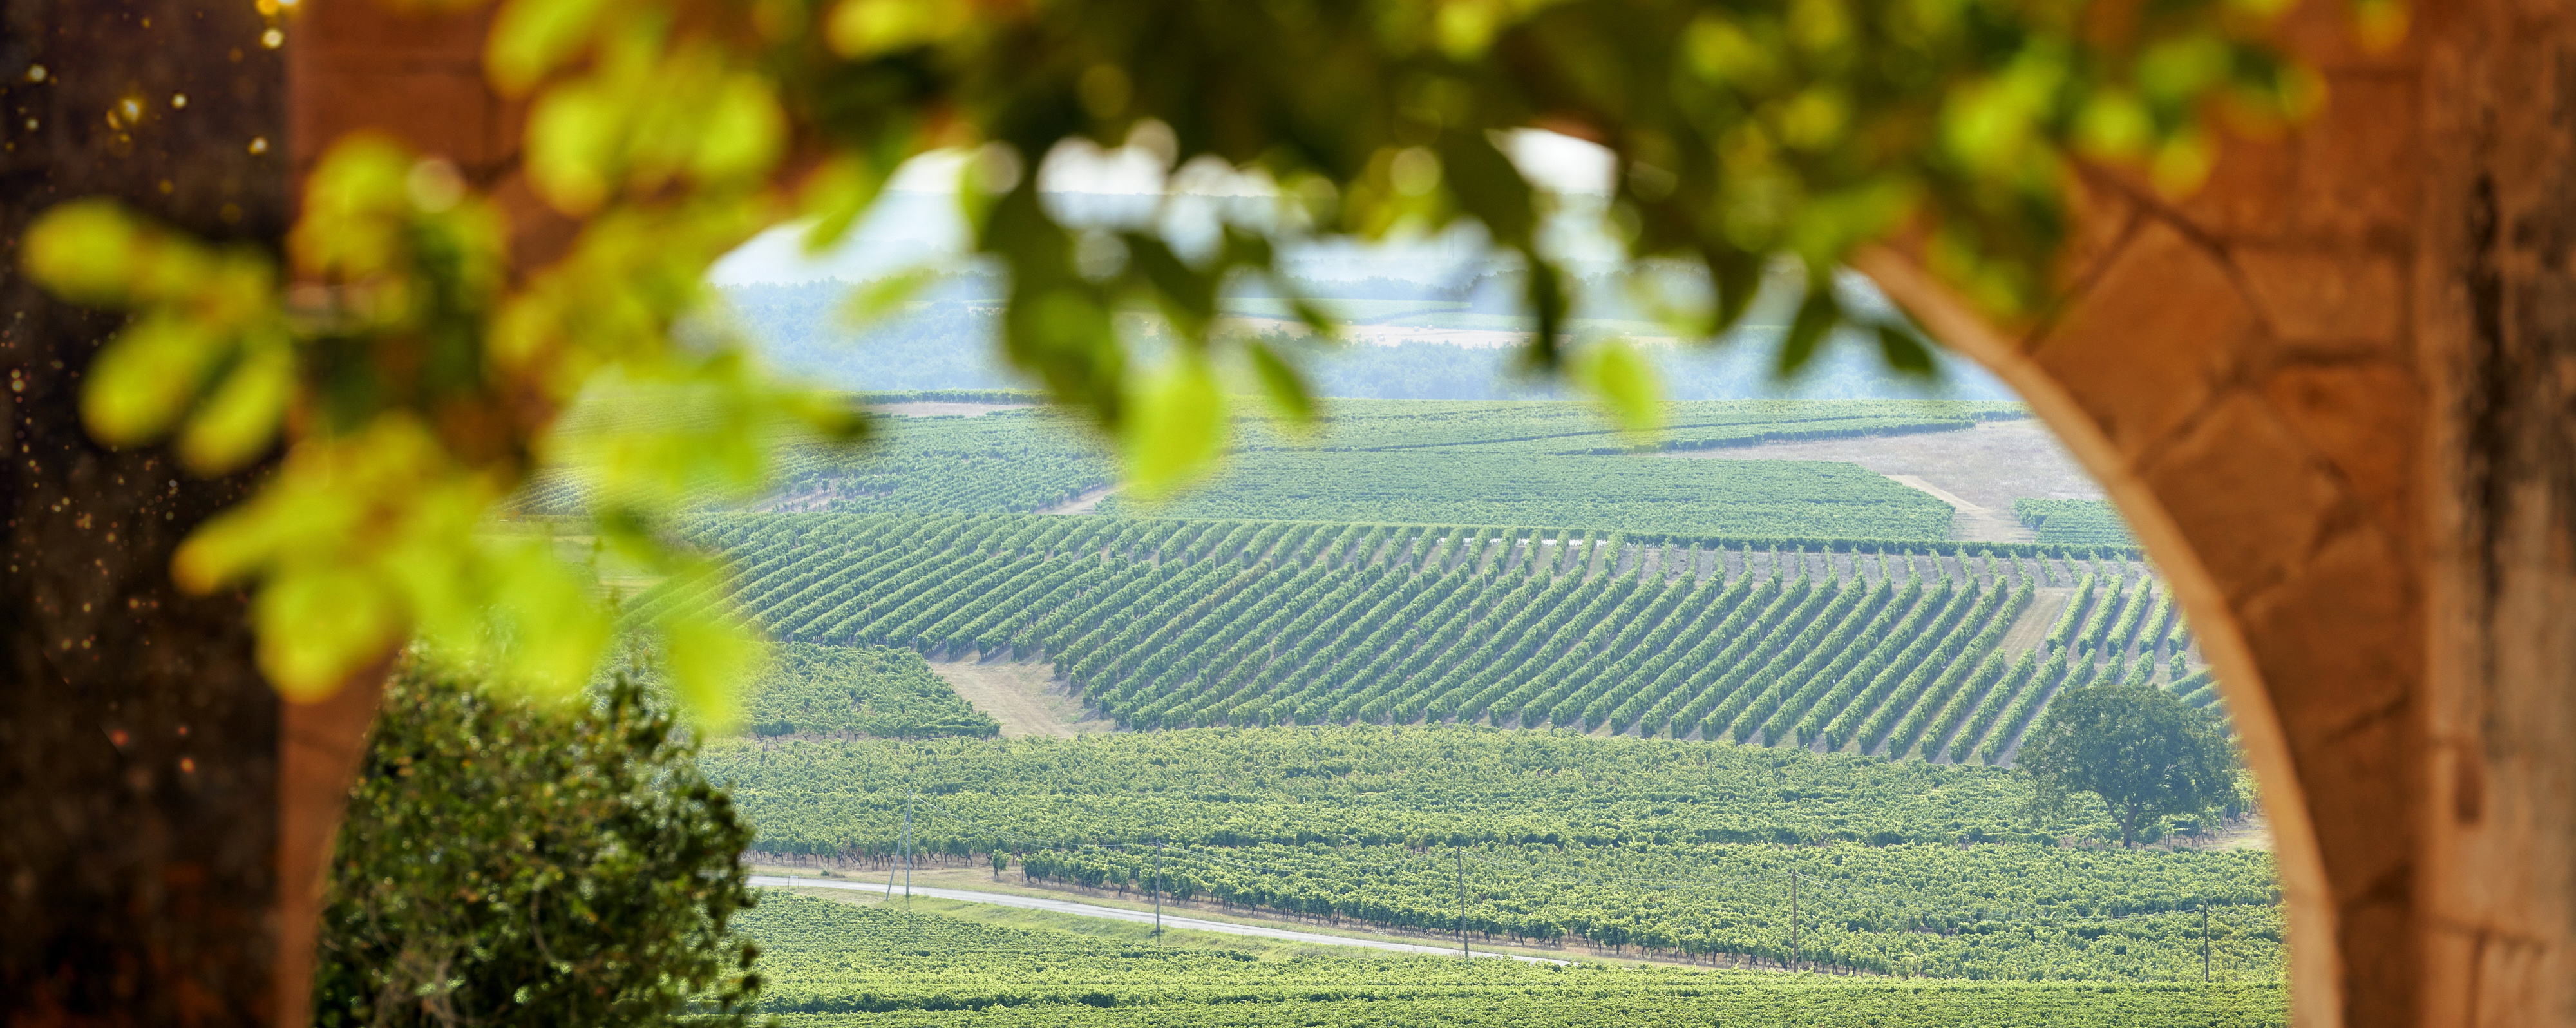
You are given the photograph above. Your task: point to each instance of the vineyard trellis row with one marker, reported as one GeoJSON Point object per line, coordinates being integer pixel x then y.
{"type": "Point", "coordinates": [1876, 647]}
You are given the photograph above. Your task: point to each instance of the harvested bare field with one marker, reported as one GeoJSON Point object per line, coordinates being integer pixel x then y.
{"type": "Point", "coordinates": [1022, 695]}
{"type": "Point", "coordinates": [1985, 468]}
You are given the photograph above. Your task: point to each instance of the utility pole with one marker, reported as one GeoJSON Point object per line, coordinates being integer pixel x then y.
{"type": "Point", "coordinates": [890, 873]}
{"type": "Point", "coordinates": [2204, 944]}
{"type": "Point", "coordinates": [1158, 891]}
{"type": "Point", "coordinates": [1462, 902]}
{"type": "Point", "coordinates": [907, 848]}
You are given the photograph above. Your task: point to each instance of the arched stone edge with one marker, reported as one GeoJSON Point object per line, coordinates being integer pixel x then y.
{"type": "Point", "coordinates": [2315, 972]}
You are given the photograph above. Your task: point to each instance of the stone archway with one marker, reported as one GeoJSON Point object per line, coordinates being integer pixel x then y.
{"type": "Point", "coordinates": [2331, 391]}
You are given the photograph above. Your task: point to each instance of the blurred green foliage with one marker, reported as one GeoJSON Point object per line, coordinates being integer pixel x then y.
{"type": "Point", "coordinates": [415, 374]}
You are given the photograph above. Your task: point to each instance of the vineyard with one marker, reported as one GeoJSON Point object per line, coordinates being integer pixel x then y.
{"type": "Point", "coordinates": [1557, 427]}
{"type": "Point", "coordinates": [1009, 460]}
{"type": "Point", "coordinates": [1377, 460]}
{"type": "Point", "coordinates": [871, 691]}
{"type": "Point", "coordinates": [1442, 486]}
{"type": "Point", "coordinates": [1363, 786]}
{"type": "Point", "coordinates": [1875, 648]}
{"type": "Point", "coordinates": [835, 964]}
{"type": "Point", "coordinates": [2074, 522]}
{"type": "Point", "coordinates": [1618, 846]}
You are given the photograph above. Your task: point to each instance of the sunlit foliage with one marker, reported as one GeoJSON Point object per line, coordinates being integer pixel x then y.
{"type": "Point", "coordinates": [414, 373]}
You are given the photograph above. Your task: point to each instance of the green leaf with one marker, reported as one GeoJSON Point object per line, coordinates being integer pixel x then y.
{"type": "Point", "coordinates": [1904, 351]}
{"type": "Point", "coordinates": [84, 251]}
{"type": "Point", "coordinates": [836, 196]}
{"type": "Point", "coordinates": [558, 630]}
{"type": "Point", "coordinates": [1544, 291]}
{"type": "Point", "coordinates": [866, 28]}
{"type": "Point", "coordinates": [1187, 297]}
{"type": "Point", "coordinates": [572, 136]}
{"type": "Point", "coordinates": [320, 624]}
{"type": "Point", "coordinates": [1489, 187]}
{"type": "Point", "coordinates": [744, 130]}
{"type": "Point", "coordinates": [874, 300]}
{"type": "Point", "coordinates": [146, 377]}
{"type": "Point", "coordinates": [1175, 430]}
{"type": "Point", "coordinates": [1817, 315]}
{"type": "Point", "coordinates": [531, 38]}
{"type": "Point", "coordinates": [709, 659]}
{"type": "Point", "coordinates": [1625, 384]}
{"type": "Point", "coordinates": [1738, 277]}
{"type": "Point", "coordinates": [1287, 390]}
{"type": "Point", "coordinates": [241, 418]}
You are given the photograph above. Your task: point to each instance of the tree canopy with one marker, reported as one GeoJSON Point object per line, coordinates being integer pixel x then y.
{"type": "Point", "coordinates": [2137, 747]}
{"type": "Point", "coordinates": [512, 862]}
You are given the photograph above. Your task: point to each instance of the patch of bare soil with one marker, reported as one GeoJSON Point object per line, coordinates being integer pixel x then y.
{"type": "Point", "coordinates": [1971, 522]}
{"type": "Point", "coordinates": [2032, 628]}
{"type": "Point", "coordinates": [937, 409]}
{"type": "Point", "coordinates": [1022, 695]}
{"type": "Point", "coordinates": [1083, 504]}
{"type": "Point", "coordinates": [1986, 467]}
{"type": "Point", "coordinates": [2253, 832]}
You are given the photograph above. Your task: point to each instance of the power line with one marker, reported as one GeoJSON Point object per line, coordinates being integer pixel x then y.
{"type": "Point", "coordinates": [1795, 879]}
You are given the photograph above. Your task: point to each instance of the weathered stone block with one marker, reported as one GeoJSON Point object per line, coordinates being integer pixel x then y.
{"type": "Point", "coordinates": [2140, 392]}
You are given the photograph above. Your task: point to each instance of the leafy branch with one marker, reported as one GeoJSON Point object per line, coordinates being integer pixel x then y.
{"type": "Point", "coordinates": [417, 372]}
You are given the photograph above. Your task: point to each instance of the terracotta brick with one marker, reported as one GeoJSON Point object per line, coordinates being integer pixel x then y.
{"type": "Point", "coordinates": [2364, 419]}
{"type": "Point", "coordinates": [2241, 199]}
{"type": "Point", "coordinates": [2324, 681]}
{"type": "Point", "coordinates": [2247, 493]}
{"type": "Point", "coordinates": [372, 30]}
{"type": "Point", "coordinates": [2344, 299]}
{"type": "Point", "coordinates": [2102, 215]}
{"type": "Point", "coordinates": [447, 114]}
{"type": "Point", "coordinates": [2138, 391]}
{"type": "Point", "coordinates": [2358, 170]}
{"type": "Point", "coordinates": [2246, 190]}
{"type": "Point", "coordinates": [2322, 33]}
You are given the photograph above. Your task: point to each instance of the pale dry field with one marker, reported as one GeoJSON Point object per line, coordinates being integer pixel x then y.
{"type": "Point", "coordinates": [1022, 695]}
{"type": "Point", "coordinates": [1979, 471]}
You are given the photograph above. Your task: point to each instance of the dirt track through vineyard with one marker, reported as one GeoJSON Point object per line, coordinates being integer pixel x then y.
{"type": "Point", "coordinates": [1986, 467]}
{"type": "Point", "coordinates": [1083, 504]}
{"type": "Point", "coordinates": [2026, 634]}
{"type": "Point", "coordinates": [1022, 695]}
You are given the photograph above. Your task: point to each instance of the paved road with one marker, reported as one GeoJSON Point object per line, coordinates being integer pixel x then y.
{"type": "Point", "coordinates": [1114, 913]}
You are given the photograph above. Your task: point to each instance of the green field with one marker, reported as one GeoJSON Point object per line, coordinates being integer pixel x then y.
{"type": "Point", "coordinates": [842, 690]}
{"type": "Point", "coordinates": [1354, 311]}
{"type": "Point", "coordinates": [2074, 522]}
{"type": "Point", "coordinates": [1601, 845]}
{"type": "Point", "coordinates": [1610, 492]}
{"type": "Point", "coordinates": [837, 964]}
{"type": "Point", "coordinates": [1552, 462]}
{"type": "Point", "coordinates": [1875, 648]}
{"type": "Point", "coordinates": [1561, 426]}
{"type": "Point", "coordinates": [1010, 460]}
{"type": "Point", "coordinates": [1367, 785]}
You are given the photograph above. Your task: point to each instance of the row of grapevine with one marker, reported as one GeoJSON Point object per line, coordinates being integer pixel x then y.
{"type": "Point", "coordinates": [825, 961]}
{"type": "Point", "coordinates": [1173, 623]}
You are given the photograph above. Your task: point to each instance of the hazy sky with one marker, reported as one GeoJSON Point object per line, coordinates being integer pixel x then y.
{"type": "Point", "coordinates": [918, 223]}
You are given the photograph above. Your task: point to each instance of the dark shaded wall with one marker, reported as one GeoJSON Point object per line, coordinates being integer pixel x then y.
{"type": "Point", "coordinates": [137, 742]}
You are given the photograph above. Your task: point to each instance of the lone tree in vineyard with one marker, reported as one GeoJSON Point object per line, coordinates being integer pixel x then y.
{"type": "Point", "coordinates": [2135, 746]}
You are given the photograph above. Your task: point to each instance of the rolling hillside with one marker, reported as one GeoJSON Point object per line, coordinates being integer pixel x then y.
{"type": "Point", "coordinates": [1871, 647]}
